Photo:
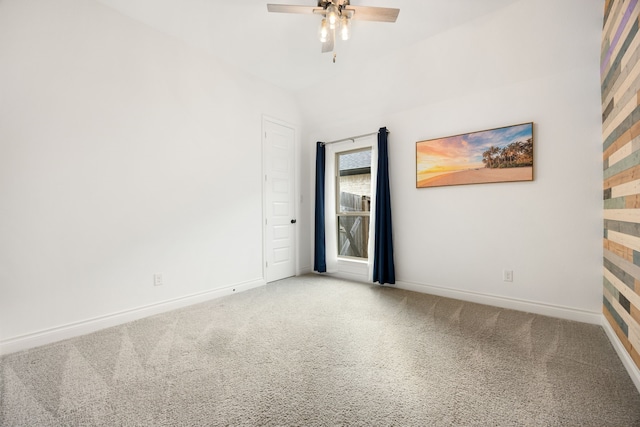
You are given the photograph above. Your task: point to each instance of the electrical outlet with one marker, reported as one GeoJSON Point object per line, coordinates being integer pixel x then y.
{"type": "Point", "coordinates": [507, 275]}
{"type": "Point", "coordinates": [157, 279]}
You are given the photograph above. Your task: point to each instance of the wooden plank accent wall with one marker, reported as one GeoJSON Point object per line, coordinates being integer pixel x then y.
{"type": "Point", "coordinates": [620, 85]}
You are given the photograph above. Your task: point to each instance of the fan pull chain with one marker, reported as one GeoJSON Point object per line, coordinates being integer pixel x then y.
{"type": "Point", "coordinates": [334, 58]}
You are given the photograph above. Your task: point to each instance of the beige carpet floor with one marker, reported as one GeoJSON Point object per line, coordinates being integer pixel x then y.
{"type": "Point", "coordinates": [316, 351]}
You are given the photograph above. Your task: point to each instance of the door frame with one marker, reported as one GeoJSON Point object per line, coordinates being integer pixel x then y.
{"type": "Point", "coordinates": [296, 192]}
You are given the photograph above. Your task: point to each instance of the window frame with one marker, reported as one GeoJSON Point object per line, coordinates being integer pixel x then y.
{"type": "Point", "coordinates": [338, 213]}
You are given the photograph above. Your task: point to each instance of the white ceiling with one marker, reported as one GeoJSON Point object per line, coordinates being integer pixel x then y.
{"type": "Point", "coordinates": [283, 48]}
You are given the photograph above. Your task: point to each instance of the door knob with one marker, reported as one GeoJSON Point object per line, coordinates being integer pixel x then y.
{"type": "Point", "coordinates": [293, 221]}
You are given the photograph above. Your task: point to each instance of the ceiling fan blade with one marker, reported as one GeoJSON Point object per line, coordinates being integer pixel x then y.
{"type": "Point", "coordinates": [328, 45]}
{"type": "Point", "coordinates": [368, 13]}
{"type": "Point", "coordinates": [288, 8]}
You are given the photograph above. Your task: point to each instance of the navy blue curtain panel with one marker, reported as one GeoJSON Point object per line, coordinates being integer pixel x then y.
{"type": "Point", "coordinates": [383, 267]}
{"type": "Point", "coordinates": [320, 253]}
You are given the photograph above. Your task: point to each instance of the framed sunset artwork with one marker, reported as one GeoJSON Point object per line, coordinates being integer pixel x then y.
{"type": "Point", "coordinates": [496, 155]}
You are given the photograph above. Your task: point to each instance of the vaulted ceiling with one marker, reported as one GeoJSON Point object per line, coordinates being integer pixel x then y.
{"type": "Point", "coordinates": [283, 49]}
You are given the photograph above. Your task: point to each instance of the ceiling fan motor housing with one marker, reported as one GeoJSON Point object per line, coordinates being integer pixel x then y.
{"type": "Point", "coordinates": [339, 3]}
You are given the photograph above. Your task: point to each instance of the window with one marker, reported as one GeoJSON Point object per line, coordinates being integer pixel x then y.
{"type": "Point", "coordinates": [353, 202]}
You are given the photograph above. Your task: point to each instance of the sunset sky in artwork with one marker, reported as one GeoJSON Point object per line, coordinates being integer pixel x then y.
{"type": "Point", "coordinates": [463, 152]}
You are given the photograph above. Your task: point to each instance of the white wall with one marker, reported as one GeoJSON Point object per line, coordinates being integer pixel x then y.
{"type": "Point", "coordinates": [535, 60]}
{"type": "Point", "coordinates": [122, 153]}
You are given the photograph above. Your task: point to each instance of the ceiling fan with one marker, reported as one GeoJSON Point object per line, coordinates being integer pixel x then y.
{"type": "Point", "coordinates": [337, 14]}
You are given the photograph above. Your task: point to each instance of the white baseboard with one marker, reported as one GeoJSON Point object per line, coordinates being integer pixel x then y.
{"type": "Point", "coordinates": [627, 361]}
{"type": "Point", "coordinates": [304, 270]}
{"type": "Point", "coordinates": [71, 330]}
{"type": "Point", "coordinates": [558, 311]}
{"type": "Point", "coordinates": [568, 313]}
{"type": "Point", "coordinates": [347, 275]}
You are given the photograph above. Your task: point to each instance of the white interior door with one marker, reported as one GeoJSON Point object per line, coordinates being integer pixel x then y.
{"type": "Point", "coordinates": [280, 212]}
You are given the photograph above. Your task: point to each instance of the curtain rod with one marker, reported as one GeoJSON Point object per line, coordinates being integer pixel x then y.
{"type": "Point", "coordinates": [352, 139]}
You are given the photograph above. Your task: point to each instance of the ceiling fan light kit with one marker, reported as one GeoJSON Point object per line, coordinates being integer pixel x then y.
{"type": "Point", "coordinates": [323, 32]}
{"type": "Point", "coordinates": [345, 27]}
{"type": "Point", "coordinates": [337, 14]}
{"type": "Point", "coordinates": [332, 13]}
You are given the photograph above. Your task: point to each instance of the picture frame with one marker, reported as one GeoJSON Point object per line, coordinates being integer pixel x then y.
{"type": "Point", "coordinates": [503, 154]}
